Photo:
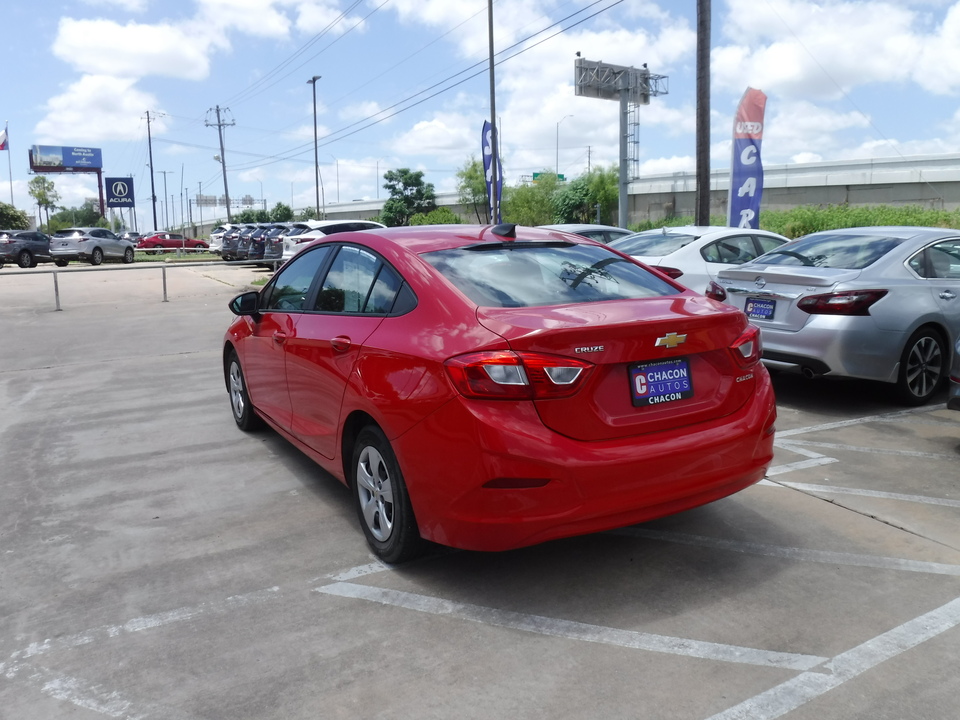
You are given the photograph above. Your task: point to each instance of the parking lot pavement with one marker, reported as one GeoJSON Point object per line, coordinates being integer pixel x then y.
{"type": "Point", "coordinates": [158, 563]}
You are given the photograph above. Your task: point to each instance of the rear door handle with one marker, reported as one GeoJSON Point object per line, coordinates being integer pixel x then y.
{"type": "Point", "coordinates": [947, 295]}
{"type": "Point", "coordinates": [279, 338]}
{"type": "Point", "coordinates": [341, 343]}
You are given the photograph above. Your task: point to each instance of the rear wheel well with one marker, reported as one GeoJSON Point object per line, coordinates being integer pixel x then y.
{"type": "Point", "coordinates": [356, 422]}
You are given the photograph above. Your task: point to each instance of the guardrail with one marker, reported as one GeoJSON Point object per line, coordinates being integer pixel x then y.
{"type": "Point", "coordinates": [163, 267]}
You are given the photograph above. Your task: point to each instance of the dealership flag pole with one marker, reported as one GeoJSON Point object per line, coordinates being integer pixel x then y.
{"type": "Point", "coordinates": [5, 145]}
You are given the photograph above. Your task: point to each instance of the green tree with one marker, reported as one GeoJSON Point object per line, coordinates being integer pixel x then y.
{"type": "Point", "coordinates": [472, 189]}
{"type": "Point", "coordinates": [281, 213]}
{"type": "Point", "coordinates": [440, 216]}
{"type": "Point", "coordinates": [577, 201]}
{"type": "Point", "coordinates": [532, 203]}
{"type": "Point", "coordinates": [84, 216]}
{"type": "Point", "coordinates": [13, 219]}
{"type": "Point", "coordinates": [309, 213]}
{"type": "Point", "coordinates": [42, 190]}
{"type": "Point", "coordinates": [409, 195]}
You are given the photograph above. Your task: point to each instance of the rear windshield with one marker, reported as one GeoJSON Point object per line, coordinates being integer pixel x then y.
{"type": "Point", "coordinates": [523, 275]}
{"type": "Point", "coordinates": [653, 244]}
{"type": "Point", "coordinates": [829, 250]}
{"type": "Point", "coordinates": [68, 233]}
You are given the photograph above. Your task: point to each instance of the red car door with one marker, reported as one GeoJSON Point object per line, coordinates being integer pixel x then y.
{"type": "Point", "coordinates": [272, 331]}
{"type": "Point", "coordinates": [322, 356]}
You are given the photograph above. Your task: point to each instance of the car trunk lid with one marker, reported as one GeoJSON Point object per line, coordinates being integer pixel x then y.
{"type": "Point", "coordinates": [659, 363]}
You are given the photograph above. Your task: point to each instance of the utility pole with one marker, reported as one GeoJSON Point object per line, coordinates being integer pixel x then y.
{"type": "Point", "coordinates": [166, 215]}
{"type": "Point", "coordinates": [317, 177]}
{"type": "Point", "coordinates": [219, 124]}
{"type": "Point", "coordinates": [494, 143]}
{"type": "Point", "coordinates": [153, 191]}
{"type": "Point", "coordinates": [200, 205]}
{"type": "Point", "coordinates": [703, 113]}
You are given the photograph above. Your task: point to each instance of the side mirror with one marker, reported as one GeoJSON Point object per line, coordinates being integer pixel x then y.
{"type": "Point", "coordinates": [246, 304]}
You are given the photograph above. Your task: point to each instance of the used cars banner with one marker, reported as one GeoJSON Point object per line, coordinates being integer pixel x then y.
{"type": "Point", "coordinates": [746, 170]}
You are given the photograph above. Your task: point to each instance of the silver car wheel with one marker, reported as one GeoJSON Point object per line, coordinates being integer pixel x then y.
{"type": "Point", "coordinates": [236, 391]}
{"type": "Point", "coordinates": [923, 367]}
{"type": "Point", "coordinates": [375, 492]}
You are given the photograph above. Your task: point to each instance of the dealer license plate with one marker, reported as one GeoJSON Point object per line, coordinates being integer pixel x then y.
{"type": "Point", "coordinates": [660, 382]}
{"type": "Point", "coordinates": [760, 308]}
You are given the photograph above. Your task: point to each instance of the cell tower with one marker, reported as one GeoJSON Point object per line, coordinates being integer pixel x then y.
{"type": "Point", "coordinates": [632, 87]}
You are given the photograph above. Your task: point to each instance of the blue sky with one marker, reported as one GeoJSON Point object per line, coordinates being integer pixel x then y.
{"type": "Point", "coordinates": [843, 79]}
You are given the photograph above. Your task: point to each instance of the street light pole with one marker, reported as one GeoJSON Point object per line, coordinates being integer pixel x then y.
{"type": "Point", "coordinates": [338, 176]}
{"type": "Point", "coordinates": [558, 143]}
{"type": "Point", "coordinates": [318, 179]}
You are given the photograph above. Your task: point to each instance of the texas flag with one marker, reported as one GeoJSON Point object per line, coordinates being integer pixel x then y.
{"type": "Point", "coordinates": [3, 139]}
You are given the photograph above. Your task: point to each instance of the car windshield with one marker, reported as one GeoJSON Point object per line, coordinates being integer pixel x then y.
{"type": "Point", "coordinates": [832, 250]}
{"type": "Point", "coordinates": [652, 244]}
{"type": "Point", "coordinates": [538, 274]}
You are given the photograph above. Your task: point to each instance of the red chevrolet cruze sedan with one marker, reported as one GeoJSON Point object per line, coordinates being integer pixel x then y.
{"type": "Point", "coordinates": [493, 387]}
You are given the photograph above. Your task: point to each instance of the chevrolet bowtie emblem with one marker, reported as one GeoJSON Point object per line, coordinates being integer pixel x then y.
{"type": "Point", "coordinates": [671, 340]}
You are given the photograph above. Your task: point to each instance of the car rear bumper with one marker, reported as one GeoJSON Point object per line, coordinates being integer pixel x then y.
{"type": "Point", "coordinates": [835, 345]}
{"type": "Point", "coordinates": [546, 486]}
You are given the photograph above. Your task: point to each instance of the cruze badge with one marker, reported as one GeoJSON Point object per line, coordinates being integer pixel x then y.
{"type": "Point", "coordinates": [760, 282]}
{"type": "Point", "coordinates": [589, 349]}
{"type": "Point", "coordinates": [671, 340]}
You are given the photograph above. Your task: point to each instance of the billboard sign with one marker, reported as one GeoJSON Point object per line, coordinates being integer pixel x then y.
{"type": "Point", "coordinates": [53, 158]}
{"type": "Point", "coordinates": [119, 192]}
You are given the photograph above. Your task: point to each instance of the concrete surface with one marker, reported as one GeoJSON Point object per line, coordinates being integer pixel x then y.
{"type": "Point", "coordinates": [155, 562]}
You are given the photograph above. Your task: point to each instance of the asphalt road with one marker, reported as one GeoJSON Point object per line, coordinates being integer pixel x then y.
{"type": "Point", "coordinates": [158, 563]}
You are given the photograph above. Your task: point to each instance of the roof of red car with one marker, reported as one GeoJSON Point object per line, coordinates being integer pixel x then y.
{"type": "Point", "coordinates": [426, 238]}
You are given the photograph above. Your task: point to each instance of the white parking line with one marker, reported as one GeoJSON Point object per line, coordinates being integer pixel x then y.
{"type": "Point", "coordinates": [573, 630]}
{"type": "Point", "coordinates": [884, 417]}
{"type": "Point", "coordinates": [796, 444]}
{"type": "Point", "coordinates": [808, 487]}
{"type": "Point", "coordinates": [790, 695]}
{"type": "Point", "coordinates": [791, 553]}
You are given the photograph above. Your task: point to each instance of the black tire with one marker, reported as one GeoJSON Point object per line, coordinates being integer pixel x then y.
{"type": "Point", "coordinates": [157, 249]}
{"type": "Point", "coordinates": [128, 256]}
{"type": "Point", "coordinates": [383, 505]}
{"type": "Point", "coordinates": [25, 259]}
{"type": "Point", "coordinates": [244, 415]}
{"type": "Point", "coordinates": [96, 256]}
{"type": "Point", "coordinates": [923, 367]}
{"type": "Point", "coordinates": [61, 263]}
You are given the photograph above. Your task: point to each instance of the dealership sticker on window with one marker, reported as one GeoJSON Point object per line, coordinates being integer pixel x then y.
{"type": "Point", "coordinates": [660, 382]}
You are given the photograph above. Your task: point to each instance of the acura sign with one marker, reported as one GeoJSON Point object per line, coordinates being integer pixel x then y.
{"type": "Point", "coordinates": [119, 192]}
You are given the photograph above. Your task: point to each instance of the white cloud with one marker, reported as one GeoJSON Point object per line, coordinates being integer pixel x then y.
{"type": "Point", "coordinates": [315, 17]}
{"type": "Point", "coordinates": [252, 17]}
{"type": "Point", "coordinates": [132, 6]}
{"type": "Point", "coordinates": [104, 47]}
{"type": "Point", "coordinates": [97, 108]}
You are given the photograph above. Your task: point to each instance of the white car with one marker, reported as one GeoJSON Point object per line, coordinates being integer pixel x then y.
{"type": "Point", "coordinates": [694, 254]}
{"type": "Point", "coordinates": [216, 236]}
{"type": "Point", "coordinates": [601, 233]}
{"type": "Point", "coordinates": [292, 244]}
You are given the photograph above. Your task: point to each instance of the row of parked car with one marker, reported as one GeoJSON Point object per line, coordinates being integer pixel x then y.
{"type": "Point", "coordinates": [273, 243]}
{"type": "Point", "coordinates": [875, 303]}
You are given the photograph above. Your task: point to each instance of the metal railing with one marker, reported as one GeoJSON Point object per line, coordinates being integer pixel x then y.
{"type": "Point", "coordinates": [163, 267]}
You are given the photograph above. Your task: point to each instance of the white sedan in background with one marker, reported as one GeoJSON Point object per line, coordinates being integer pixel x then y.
{"type": "Point", "coordinates": [694, 254]}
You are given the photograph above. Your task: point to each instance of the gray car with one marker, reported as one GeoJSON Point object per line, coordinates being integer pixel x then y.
{"type": "Point", "coordinates": [89, 244]}
{"type": "Point", "coordinates": [26, 248]}
{"type": "Point", "coordinates": [878, 303]}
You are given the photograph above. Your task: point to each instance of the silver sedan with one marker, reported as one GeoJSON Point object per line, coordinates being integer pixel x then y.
{"type": "Point", "coordinates": [878, 303]}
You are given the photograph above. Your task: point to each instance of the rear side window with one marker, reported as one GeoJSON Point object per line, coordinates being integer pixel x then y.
{"type": "Point", "coordinates": [348, 283]}
{"type": "Point", "coordinates": [538, 274]}
{"type": "Point", "coordinates": [734, 250]}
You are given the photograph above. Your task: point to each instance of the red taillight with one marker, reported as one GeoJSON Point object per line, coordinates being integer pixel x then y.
{"type": "Point", "coordinates": [715, 292]}
{"type": "Point", "coordinates": [670, 272]}
{"type": "Point", "coordinates": [747, 348]}
{"type": "Point", "coordinates": [849, 302]}
{"type": "Point", "coordinates": [506, 375]}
